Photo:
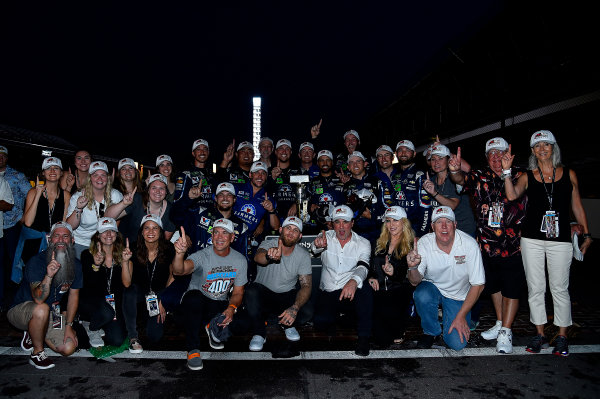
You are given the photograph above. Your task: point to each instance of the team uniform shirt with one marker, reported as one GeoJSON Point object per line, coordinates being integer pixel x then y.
{"type": "Point", "coordinates": [36, 270]}
{"type": "Point", "coordinates": [342, 264]}
{"type": "Point", "coordinates": [5, 195]}
{"type": "Point", "coordinates": [454, 273]}
{"type": "Point", "coordinates": [88, 225]}
{"type": "Point", "coordinates": [191, 178]}
{"type": "Point", "coordinates": [364, 226]}
{"type": "Point", "coordinates": [282, 276]}
{"type": "Point", "coordinates": [487, 187]}
{"type": "Point", "coordinates": [198, 226]}
{"type": "Point", "coordinates": [248, 207]}
{"type": "Point", "coordinates": [283, 192]}
{"type": "Point", "coordinates": [326, 191]}
{"type": "Point", "coordinates": [387, 194]}
{"type": "Point", "coordinates": [233, 175]}
{"type": "Point", "coordinates": [214, 275]}
{"type": "Point", "coordinates": [410, 195]}
{"type": "Point", "coordinates": [19, 186]}
{"type": "Point", "coordinates": [312, 172]}
{"type": "Point", "coordinates": [340, 163]}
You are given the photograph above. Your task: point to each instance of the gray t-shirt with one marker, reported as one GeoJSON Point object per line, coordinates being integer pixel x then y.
{"type": "Point", "coordinates": [282, 277]}
{"type": "Point", "coordinates": [465, 220]}
{"type": "Point", "coordinates": [216, 275]}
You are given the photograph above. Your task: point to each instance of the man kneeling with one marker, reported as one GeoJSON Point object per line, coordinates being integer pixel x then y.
{"type": "Point", "coordinates": [280, 265]}
{"type": "Point", "coordinates": [37, 305]}
{"type": "Point", "coordinates": [450, 272]}
{"type": "Point", "coordinates": [216, 270]}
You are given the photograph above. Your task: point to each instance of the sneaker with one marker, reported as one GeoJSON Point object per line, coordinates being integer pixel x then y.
{"type": "Point", "coordinates": [95, 337]}
{"type": "Point", "coordinates": [504, 344]}
{"type": "Point", "coordinates": [426, 341]}
{"type": "Point", "coordinates": [212, 340]}
{"type": "Point", "coordinates": [41, 361]}
{"type": "Point", "coordinates": [537, 343]}
{"type": "Point", "coordinates": [561, 346]}
{"type": "Point", "coordinates": [135, 346]}
{"type": "Point", "coordinates": [256, 343]}
{"type": "Point", "coordinates": [492, 333]}
{"type": "Point", "coordinates": [362, 346]}
{"type": "Point", "coordinates": [26, 343]}
{"type": "Point", "coordinates": [292, 334]}
{"type": "Point", "coordinates": [194, 360]}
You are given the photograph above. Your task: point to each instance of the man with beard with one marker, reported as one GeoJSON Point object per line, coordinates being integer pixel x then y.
{"type": "Point", "coordinates": [265, 147]}
{"type": "Point", "coordinates": [306, 153]}
{"type": "Point", "coordinates": [38, 305]}
{"type": "Point", "coordinates": [345, 257]}
{"type": "Point", "coordinates": [279, 180]}
{"type": "Point", "coordinates": [200, 176]}
{"type": "Point", "coordinates": [282, 264]}
{"type": "Point", "coordinates": [409, 193]}
{"type": "Point", "coordinates": [351, 144]}
{"type": "Point", "coordinates": [240, 172]}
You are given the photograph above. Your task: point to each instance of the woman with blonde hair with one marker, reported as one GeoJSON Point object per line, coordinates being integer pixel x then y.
{"type": "Point", "coordinates": [387, 277]}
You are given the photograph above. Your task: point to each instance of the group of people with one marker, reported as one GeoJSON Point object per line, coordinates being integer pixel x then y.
{"type": "Point", "coordinates": [221, 251]}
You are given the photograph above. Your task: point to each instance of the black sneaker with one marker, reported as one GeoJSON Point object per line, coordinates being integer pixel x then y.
{"type": "Point", "coordinates": [537, 343]}
{"type": "Point", "coordinates": [426, 341]}
{"type": "Point", "coordinates": [41, 361]}
{"type": "Point", "coordinates": [362, 346]}
{"type": "Point", "coordinates": [26, 343]}
{"type": "Point", "coordinates": [212, 341]}
{"type": "Point", "coordinates": [561, 346]}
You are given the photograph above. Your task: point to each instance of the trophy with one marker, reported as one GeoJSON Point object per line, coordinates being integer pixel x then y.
{"type": "Point", "coordinates": [301, 197]}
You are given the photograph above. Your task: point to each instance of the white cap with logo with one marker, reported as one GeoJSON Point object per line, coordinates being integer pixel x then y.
{"type": "Point", "coordinates": [356, 154]}
{"type": "Point", "coordinates": [405, 143]}
{"type": "Point", "coordinates": [258, 165]}
{"type": "Point", "coordinates": [223, 223]}
{"type": "Point", "coordinates": [542, 135]}
{"type": "Point", "coordinates": [198, 143]}
{"type": "Point", "coordinates": [306, 144]}
{"type": "Point", "coordinates": [497, 143]}
{"type": "Point", "coordinates": [352, 132]}
{"type": "Point", "coordinates": [51, 161]}
{"type": "Point", "coordinates": [126, 161]}
{"type": "Point", "coordinates": [384, 148]}
{"type": "Point", "coordinates": [283, 142]}
{"type": "Point", "coordinates": [151, 218]}
{"type": "Point", "coordinates": [342, 212]}
{"type": "Point", "coordinates": [443, 212]}
{"type": "Point", "coordinates": [96, 166]}
{"type": "Point", "coordinates": [159, 177]}
{"type": "Point", "coordinates": [225, 187]}
{"type": "Point", "coordinates": [105, 224]}
{"type": "Point", "coordinates": [162, 158]}
{"type": "Point", "coordinates": [294, 221]}
{"type": "Point", "coordinates": [395, 212]}
{"type": "Point", "coordinates": [244, 144]}
{"type": "Point", "coordinates": [440, 150]}
{"type": "Point", "coordinates": [325, 153]}
{"type": "Point", "coordinates": [63, 225]}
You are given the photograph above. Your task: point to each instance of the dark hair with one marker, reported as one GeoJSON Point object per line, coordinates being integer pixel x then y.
{"type": "Point", "coordinates": [142, 251]}
{"type": "Point", "coordinates": [119, 185]}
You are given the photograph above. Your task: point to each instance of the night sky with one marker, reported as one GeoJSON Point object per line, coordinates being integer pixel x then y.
{"type": "Point", "coordinates": [144, 79]}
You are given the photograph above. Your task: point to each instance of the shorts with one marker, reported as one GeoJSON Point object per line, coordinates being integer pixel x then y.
{"type": "Point", "coordinates": [20, 315]}
{"type": "Point", "coordinates": [504, 275]}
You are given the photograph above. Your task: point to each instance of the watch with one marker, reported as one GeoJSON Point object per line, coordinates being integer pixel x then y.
{"type": "Point", "coordinates": [70, 324]}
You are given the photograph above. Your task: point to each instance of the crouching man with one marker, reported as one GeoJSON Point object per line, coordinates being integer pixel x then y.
{"type": "Point", "coordinates": [37, 307]}
{"type": "Point", "coordinates": [447, 269]}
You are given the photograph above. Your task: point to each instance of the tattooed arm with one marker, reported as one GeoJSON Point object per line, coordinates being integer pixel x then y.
{"type": "Point", "coordinates": [288, 317]}
{"type": "Point", "coordinates": [41, 289]}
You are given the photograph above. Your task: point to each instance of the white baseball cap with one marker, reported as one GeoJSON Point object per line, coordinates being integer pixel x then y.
{"type": "Point", "coordinates": [542, 135]}
{"type": "Point", "coordinates": [151, 218]}
{"type": "Point", "coordinates": [428, 149]}
{"type": "Point", "coordinates": [440, 150]}
{"type": "Point", "coordinates": [126, 161]}
{"type": "Point", "coordinates": [395, 212]}
{"type": "Point", "coordinates": [244, 144]}
{"type": "Point", "coordinates": [356, 154]}
{"type": "Point", "coordinates": [3, 150]}
{"type": "Point", "coordinates": [155, 177]}
{"type": "Point", "coordinates": [293, 220]}
{"type": "Point", "coordinates": [198, 143]}
{"type": "Point", "coordinates": [96, 166]}
{"type": "Point", "coordinates": [223, 223]}
{"type": "Point", "coordinates": [325, 153]}
{"type": "Point", "coordinates": [265, 138]}
{"type": "Point", "coordinates": [283, 142]}
{"type": "Point", "coordinates": [342, 212]}
{"type": "Point", "coordinates": [258, 165]}
{"type": "Point", "coordinates": [105, 224]}
{"type": "Point", "coordinates": [352, 132]}
{"type": "Point", "coordinates": [443, 212]}
{"type": "Point", "coordinates": [497, 143]}
{"type": "Point", "coordinates": [306, 144]}
{"type": "Point", "coordinates": [406, 143]}
{"type": "Point", "coordinates": [225, 187]}
{"type": "Point", "coordinates": [59, 225]}
{"type": "Point", "coordinates": [162, 158]}
{"type": "Point", "coordinates": [384, 148]}
{"type": "Point", "coordinates": [51, 161]}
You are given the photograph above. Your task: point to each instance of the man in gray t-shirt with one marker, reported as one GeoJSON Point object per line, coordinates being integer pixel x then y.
{"type": "Point", "coordinates": [281, 264]}
{"type": "Point", "coordinates": [216, 271]}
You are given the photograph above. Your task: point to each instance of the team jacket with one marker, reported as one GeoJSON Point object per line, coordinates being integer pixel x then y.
{"type": "Point", "coordinates": [410, 195]}
{"type": "Point", "coordinates": [249, 207]}
{"type": "Point", "coordinates": [367, 228]}
{"type": "Point", "coordinates": [191, 178]}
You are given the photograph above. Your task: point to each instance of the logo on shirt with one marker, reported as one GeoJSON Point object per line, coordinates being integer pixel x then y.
{"type": "Point", "coordinates": [204, 221]}
{"type": "Point", "coordinates": [248, 209]}
{"type": "Point", "coordinates": [326, 198]}
{"type": "Point", "coordinates": [460, 259]}
{"type": "Point", "coordinates": [209, 241]}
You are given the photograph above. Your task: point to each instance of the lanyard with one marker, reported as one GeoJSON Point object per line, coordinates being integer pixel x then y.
{"type": "Point", "coordinates": [151, 277]}
{"type": "Point", "coordinates": [51, 210]}
{"type": "Point", "coordinates": [159, 209]}
{"type": "Point", "coordinates": [99, 210]}
{"type": "Point", "coordinates": [549, 195]}
{"type": "Point", "coordinates": [109, 280]}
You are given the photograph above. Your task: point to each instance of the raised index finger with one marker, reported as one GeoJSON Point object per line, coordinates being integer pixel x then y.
{"type": "Point", "coordinates": [509, 149]}
{"type": "Point", "coordinates": [127, 243]}
{"type": "Point", "coordinates": [458, 153]}
{"type": "Point", "coordinates": [415, 247]}
{"type": "Point", "coordinates": [53, 255]}
{"type": "Point", "coordinates": [182, 232]}
{"type": "Point", "coordinates": [320, 121]}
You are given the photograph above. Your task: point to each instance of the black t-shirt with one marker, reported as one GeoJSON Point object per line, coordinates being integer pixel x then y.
{"type": "Point", "coordinates": [156, 271]}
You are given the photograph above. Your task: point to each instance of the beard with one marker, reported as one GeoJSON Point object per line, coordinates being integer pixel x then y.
{"type": "Point", "coordinates": [66, 258]}
{"type": "Point", "coordinates": [405, 162]}
{"type": "Point", "coordinates": [287, 242]}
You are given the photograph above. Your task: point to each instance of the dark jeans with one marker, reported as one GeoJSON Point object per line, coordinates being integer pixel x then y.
{"type": "Point", "coordinates": [390, 313]}
{"type": "Point", "coordinates": [197, 310]}
{"type": "Point", "coordinates": [261, 302]}
{"type": "Point", "coordinates": [329, 305]}
{"type": "Point", "coordinates": [8, 246]}
{"type": "Point", "coordinates": [132, 296]}
{"type": "Point", "coordinates": [101, 316]}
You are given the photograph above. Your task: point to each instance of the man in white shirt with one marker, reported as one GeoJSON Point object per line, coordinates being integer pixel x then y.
{"type": "Point", "coordinates": [447, 269]}
{"type": "Point", "coordinates": [345, 257]}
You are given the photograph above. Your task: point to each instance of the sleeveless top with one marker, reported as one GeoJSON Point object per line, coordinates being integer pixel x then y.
{"type": "Point", "coordinates": [45, 217]}
{"type": "Point", "coordinates": [538, 204]}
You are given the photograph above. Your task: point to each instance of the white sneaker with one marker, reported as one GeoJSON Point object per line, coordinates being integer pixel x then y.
{"type": "Point", "coordinates": [492, 333]}
{"type": "Point", "coordinates": [256, 343]}
{"type": "Point", "coordinates": [504, 344]}
{"type": "Point", "coordinates": [95, 338]}
{"type": "Point", "coordinates": [292, 334]}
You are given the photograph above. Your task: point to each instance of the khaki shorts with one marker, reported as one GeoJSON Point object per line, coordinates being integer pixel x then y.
{"type": "Point", "coordinates": [20, 315]}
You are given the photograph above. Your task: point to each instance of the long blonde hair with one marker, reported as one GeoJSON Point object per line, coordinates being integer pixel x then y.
{"type": "Point", "coordinates": [406, 242]}
{"type": "Point", "coordinates": [117, 248]}
{"type": "Point", "coordinates": [88, 192]}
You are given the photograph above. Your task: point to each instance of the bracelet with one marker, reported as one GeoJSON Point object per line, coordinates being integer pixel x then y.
{"type": "Point", "coordinates": [435, 195]}
{"type": "Point", "coordinates": [454, 172]}
{"type": "Point", "coordinates": [506, 173]}
{"type": "Point", "coordinates": [231, 305]}
{"type": "Point", "coordinates": [586, 236]}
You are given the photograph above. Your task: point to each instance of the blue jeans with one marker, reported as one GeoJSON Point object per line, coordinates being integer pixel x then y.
{"type": "Point", "coordinates": [427, 299]}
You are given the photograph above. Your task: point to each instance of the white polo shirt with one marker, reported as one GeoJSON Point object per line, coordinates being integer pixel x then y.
{"type": "Point", "coordinates": [454, 273]}
{"type": "Point", "coordinates": [341, 264]}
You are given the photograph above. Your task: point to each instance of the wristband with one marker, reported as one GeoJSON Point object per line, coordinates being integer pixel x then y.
{"type": "Point", "coordinates": [506, 173]}
{"type": "Point", "coordinates": [586, 236]}
{"type": "Point", "coordinates": [413, 268]}
{"type": "Point", "coordinates": [454, 172]}
{"type": "Point", "coordinates": [435, 195]}
{"type": "Point", "coordinates": [231, 305]}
